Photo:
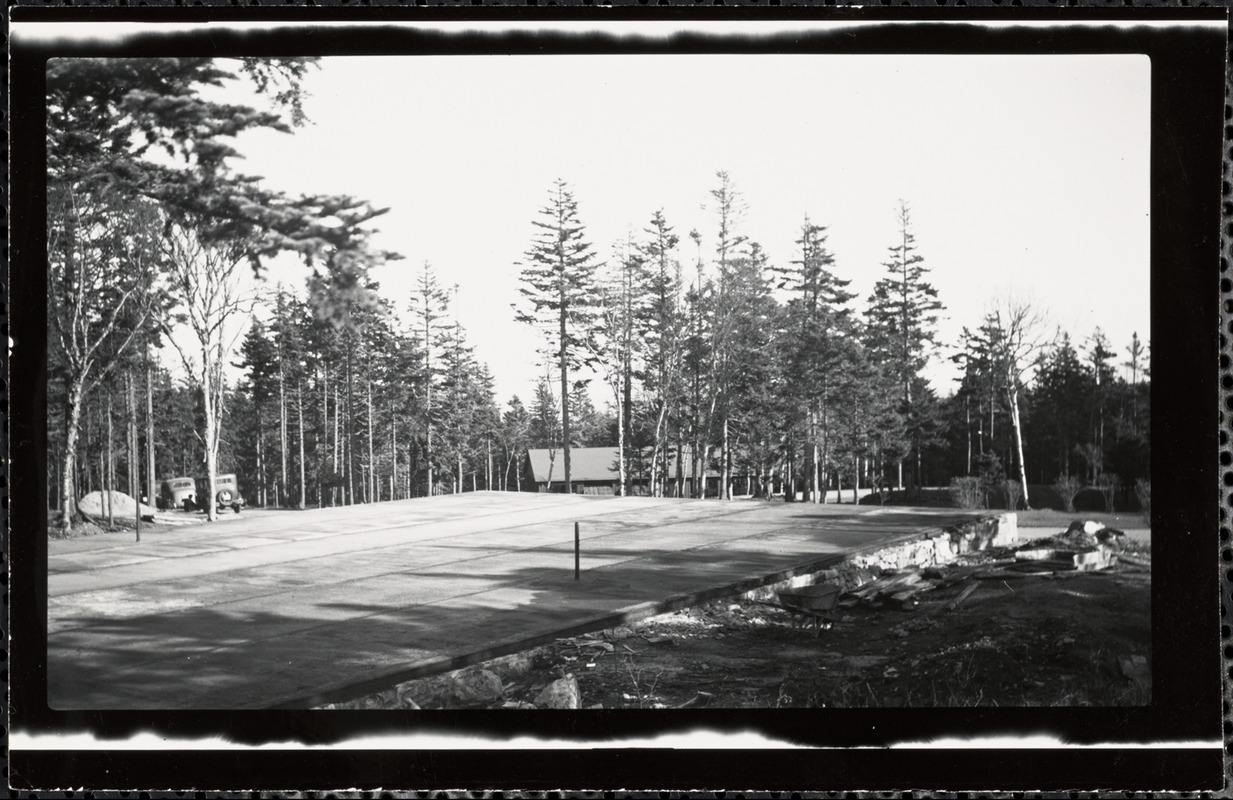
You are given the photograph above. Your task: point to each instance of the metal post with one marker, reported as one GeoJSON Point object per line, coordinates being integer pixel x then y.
{"type": "Point", "coordinates": [577, 555]}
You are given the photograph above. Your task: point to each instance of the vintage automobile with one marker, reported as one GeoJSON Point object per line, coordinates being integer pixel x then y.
{"type": "Point", "coordinates": [177, 493]}
{"type": "Point", "coordinates": [227, 493]}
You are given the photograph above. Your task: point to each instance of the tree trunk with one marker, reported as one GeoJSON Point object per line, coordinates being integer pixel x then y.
{"type": "Point", "coordinates": [134, 458]}
{"type": "Point", "coordinates": [151, 472]}
{"type": "Point", "coordinates": [109, 481]}
{"type": "Point", "coordinates": [1014, 412]}
{"type": "Point", "coordinates": [261, 488]}
{"type": "Point", "coordinates": [725, 488]}
{"type": "Point", "coordinates": [569, 487]}
{"type": "Point", "coordinates": [211, 444]}
{"type": "Point", "coordinates": [300, 419]}
{"type": "Point", "coordinates": [967, 411]}
{"type": "Point", "coordinates": [349, 429]}
{"type": "Point", "coordinates": [372, 462]}
{"type": "Point", "coordinates": [393, 453]}
{"type": "Point", "coordinates": [282, 428]}
{"type": "Point", "coordinates": [621, 444]}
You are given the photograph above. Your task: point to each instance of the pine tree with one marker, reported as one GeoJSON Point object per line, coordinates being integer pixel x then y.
{"type": "Point", "coordinates": [660, 330]}
{"type": "Point", "coordinates": [729, 209]}
{"type": "Point", "coordinates": [558, 293]}
{"type": "Point", "coordinates": [515, 440]}
{"type": "Point", "coordinates": [429, 308]}
{"type": "Point", "coordinates": [902, 315]}
{"type": "Point", "coordinates": [545, 425]}
{"type": "Point", "coordinates": [819, 323]}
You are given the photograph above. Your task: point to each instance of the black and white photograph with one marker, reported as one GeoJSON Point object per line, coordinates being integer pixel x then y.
{"type": "Point", "coordinates": [506, 379]}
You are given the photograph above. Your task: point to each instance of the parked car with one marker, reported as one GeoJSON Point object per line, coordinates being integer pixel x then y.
{"type": "Point", "coordinates": [177, 493]}
{"type": "Point", "coordinates": [227, 493]}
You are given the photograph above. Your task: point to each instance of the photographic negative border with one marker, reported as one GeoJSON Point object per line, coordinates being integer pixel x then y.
{"type": "Point", "coordinates": [1169, 745]}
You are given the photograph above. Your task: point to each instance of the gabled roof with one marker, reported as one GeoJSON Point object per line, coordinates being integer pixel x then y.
{"type": "Point", "coordinates": [585, 464]}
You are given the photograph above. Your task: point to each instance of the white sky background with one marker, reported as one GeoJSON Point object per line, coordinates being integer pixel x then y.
{"type": "Point", "coordinates": [1026, 175]}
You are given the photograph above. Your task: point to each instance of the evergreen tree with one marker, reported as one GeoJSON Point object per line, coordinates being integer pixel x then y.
{"type": "Point", "coordinates": [544, 430]}
{"type": "Point", "coordinates": [902, 315]}
{"type": "Point", "coordinates": [660, 330]}
{"type": "Point", "coordinates": [515, 440]}
{"type": "Point", "coordinates": [558, 293]}
{"type": "Point", "coordinates": [429, 308]}
{"type": "Point", "coordinates": [816, 345]}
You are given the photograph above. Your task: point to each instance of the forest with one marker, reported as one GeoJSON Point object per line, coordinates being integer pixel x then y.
{"type": "Point", "coordinates": [170, 353]}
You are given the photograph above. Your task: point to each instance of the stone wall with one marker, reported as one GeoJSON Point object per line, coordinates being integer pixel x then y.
{"type": "Point", "coordinates": [926, 551]}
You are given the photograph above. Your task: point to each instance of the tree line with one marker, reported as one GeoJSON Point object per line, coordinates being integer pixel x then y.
{"type": "Point", "coordinates": [764, 377]}
{"type": "Point", "coordinates": [722, 368]}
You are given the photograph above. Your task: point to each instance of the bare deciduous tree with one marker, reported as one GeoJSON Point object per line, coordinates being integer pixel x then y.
{"type": "Point", "coordinates": [1016, 351]}
{"type": "Point", "coordinates": [101, 292]}
{"type": "Point", "coordinates": [208, 283]}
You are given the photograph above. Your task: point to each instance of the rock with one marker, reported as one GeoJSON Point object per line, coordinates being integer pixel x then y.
{"type": "Point", "coordinates": [475, 686]}
{"type": "Point", "coordinates": [561, 693]}
{"type": "Point", "coordinates": [405, 700]}
{"type": "Point", "coordinates": [1100, 558]}
{"type": "Point", "coordinates": [513, 665]}
{"type": "Point", "coordinates": [124, 508]}
{"type": "Point", "coordinates": [1112, 538]}
{"type": "Point", "coordinates": [618, 633]}
{"type": "Point", "coordinates": [518, 704]}
{"type": "Point", "coordinates": [1137, 670]}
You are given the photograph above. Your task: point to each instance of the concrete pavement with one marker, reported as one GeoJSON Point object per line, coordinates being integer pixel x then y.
{"type": "Point", "coordinates": [299, 608]}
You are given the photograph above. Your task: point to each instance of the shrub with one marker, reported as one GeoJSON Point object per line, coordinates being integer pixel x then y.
{"type": "Point", "coordinates": [967, 493]}
{"type": "Point", "coordinates": [1143, 491]}
{"type": "Point", "coordinates": [1013, 490]}
{"type": "Point", "coordinates": [1067, 486]}
{"type": "Point", "coordinates": [992, 475]}
{"type": "Point", "coordinates": [1108, 484]}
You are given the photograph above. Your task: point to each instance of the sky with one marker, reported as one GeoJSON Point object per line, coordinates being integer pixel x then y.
{"type": "Point", "coordinates": [1026, 176]}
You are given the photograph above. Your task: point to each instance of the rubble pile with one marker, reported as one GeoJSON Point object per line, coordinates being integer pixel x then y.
{"type": "Point", "coordinates": [897, 575]}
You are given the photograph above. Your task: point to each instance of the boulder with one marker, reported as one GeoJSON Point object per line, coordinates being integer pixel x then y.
{"type": "Point", "coordinates": [561, 693]}
{"type": "Point", "coordinates": [123, 508]}
{"type": "Point", "coordinates": [475, 686]}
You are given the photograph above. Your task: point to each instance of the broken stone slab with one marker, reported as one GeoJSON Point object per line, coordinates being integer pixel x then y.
{"type": "Point", "coordinates": [1100, 558]}
{"type": "Point", "coordinates": [562, 693]}
{"type": "Point", "coordinates": [1036, 554]}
